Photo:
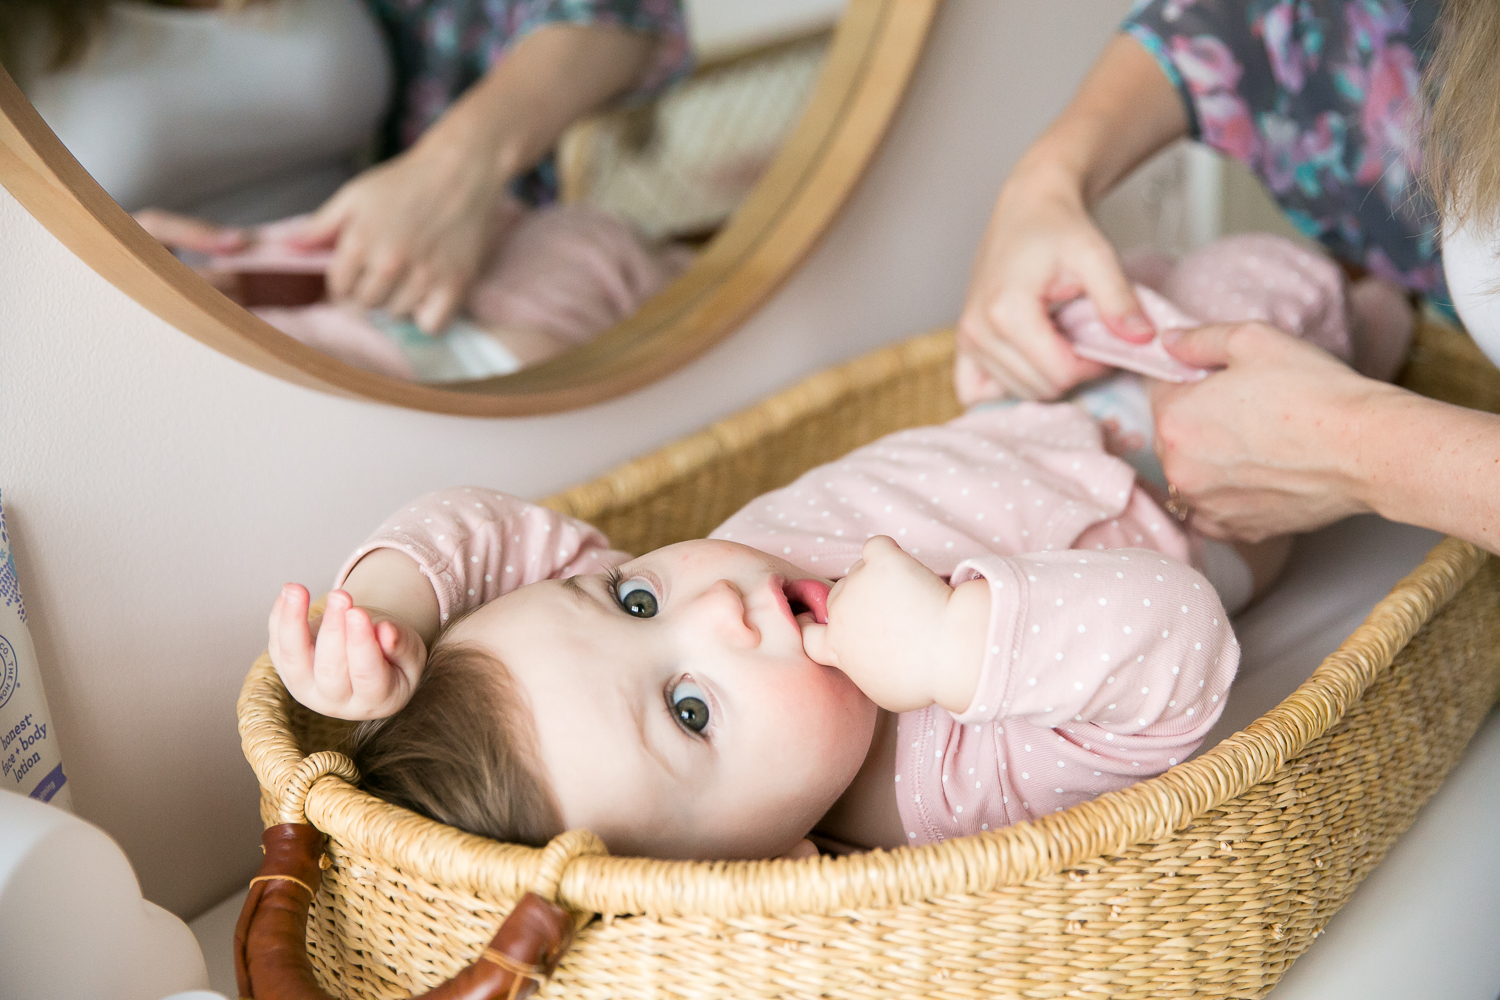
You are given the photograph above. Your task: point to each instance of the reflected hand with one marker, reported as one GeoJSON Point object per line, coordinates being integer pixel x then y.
{"type": "Point", "coordinates": [409, 235]}
{"type": "Point", "coordinates": [361, 665]}
{"type": "Point", "coordinates": [183, 232]}
{"type": "Point", "coordinates": [1272, 443]}
{"type": "Point", "coordinates": [1041, 249]}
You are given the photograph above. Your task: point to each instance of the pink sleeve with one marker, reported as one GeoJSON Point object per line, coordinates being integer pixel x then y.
{"type": "Point", "coordinates": [475, 544]}
{"type": "Point", "coordinates": [1125, 640]}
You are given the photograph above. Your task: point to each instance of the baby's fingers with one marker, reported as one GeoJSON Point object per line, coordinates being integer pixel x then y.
{"type": "Point", "coordinates": [815, 644]}
{"type": "Point", "coordinates": [330, 657]}
{"type": "Point", "coordinates": [369, 673]}
{"type": "Point", "coordinates": [439, 306]}
{"type": "Point", "coordinates": [290, 639]}
{"type": "Point", "coordinates": [402, 647]}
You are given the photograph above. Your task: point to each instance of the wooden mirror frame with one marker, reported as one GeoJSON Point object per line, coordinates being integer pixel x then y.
{"type": "Point", "coordinates": [865, 73]}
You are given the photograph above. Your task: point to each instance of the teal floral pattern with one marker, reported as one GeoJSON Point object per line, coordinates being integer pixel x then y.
{"type": "Point", "coordinates": [441, 47]}
{"type": "Point", "coordinates": [1321, 98]}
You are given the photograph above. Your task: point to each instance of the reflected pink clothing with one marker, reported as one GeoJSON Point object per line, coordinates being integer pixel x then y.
{"type": "Point", "coordinates": [1108, 657]}
{"type": "Point", "coordinates": [567, 271]}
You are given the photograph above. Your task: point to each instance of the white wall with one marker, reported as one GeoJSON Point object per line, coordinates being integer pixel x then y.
{"type": "Point", "coordinates": [158, 493]}
{"type": "Point", "coordinates": [717, 27]}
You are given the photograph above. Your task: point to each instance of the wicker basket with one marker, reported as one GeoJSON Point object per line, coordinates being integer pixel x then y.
{"type": "Point", "coordinates": [1207, 881]}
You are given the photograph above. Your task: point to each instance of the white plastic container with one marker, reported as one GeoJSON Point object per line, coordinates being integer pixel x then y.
{"type": "Point", "coordinates": [30, 761]}
{"type": "Point", "coordinates": [73, 925]}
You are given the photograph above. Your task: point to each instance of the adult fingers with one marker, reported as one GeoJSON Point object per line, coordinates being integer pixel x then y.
{"type": "Point", "coordinates": [322, 230]}
{"type": "Point", "coordinates": [989, 339]}
{"type": "Point", "coordinates": [1209, 346]}
{"type": "Point", "coordinates": [185, 232]}
{"type": "Point", "coordinates": [438, 308]}
{"type": "Point", "coordinates": [383, 273]}
{"type": "Point", "coordinates": [971, 383]}
{"type": "Point", "coordinates": [1105, 283]}
{"type": "Point", "coordinates": [349, 260]}
{"type": "Point", "coordinates": [1034, 352]}
{"type": "Point", "coordinates": [415, 286]}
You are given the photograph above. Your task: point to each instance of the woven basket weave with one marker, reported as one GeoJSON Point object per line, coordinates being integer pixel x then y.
{"type": "Point", "coordinates": [1207, 881]}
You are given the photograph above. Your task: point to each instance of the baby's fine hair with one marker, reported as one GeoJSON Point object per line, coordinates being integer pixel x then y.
{"type": "Point", "coordinates": [461, 752]}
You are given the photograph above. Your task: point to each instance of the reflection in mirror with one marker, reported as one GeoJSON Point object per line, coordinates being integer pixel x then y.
{"type": "Point", "coordinates": [438, 191]}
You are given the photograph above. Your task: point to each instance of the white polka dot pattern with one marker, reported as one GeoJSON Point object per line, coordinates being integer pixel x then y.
{"type": "Point", "coordinates": [1028, 478]}
{"type": "Point", "coordinates": [1025, 497]}
{"type": "Point", "coordinates": [475, 544]}
{"type": "Point", "coordinates": [1082, 698]}
{"type": "Point", "coordinates": [1016, 496]}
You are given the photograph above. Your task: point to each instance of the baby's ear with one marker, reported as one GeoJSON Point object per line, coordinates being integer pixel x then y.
{"type": "Point", "coordinates": [804, 849]}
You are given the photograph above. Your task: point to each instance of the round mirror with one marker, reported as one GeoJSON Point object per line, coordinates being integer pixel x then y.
{"type": "Point", "coordinates": [665, 216]}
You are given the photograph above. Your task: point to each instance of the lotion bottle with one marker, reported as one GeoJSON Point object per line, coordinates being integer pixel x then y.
{"type": "Point", "coordinates": [30, 762]}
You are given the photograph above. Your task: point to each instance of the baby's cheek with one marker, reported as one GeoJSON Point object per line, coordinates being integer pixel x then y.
{"type": "Point", "coordinates": [822, 704]}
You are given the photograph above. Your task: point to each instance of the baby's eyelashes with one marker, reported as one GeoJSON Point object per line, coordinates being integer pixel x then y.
{"type": "Point", "coordinates": [689, 705]}
{"type": "Point", "coordinates": [636, 596]}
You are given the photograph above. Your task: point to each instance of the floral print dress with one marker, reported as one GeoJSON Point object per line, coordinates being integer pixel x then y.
{"type": "Point", "coordinates": [1321, 99]}
{"type": "Point", "coordinates": [442, 47]}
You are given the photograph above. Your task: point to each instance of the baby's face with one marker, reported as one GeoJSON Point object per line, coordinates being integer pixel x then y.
{"type": "Point", "coordinates": [676, 713]}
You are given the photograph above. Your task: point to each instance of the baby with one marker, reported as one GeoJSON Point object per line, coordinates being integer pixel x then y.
{"type": "Point", "coordinates": [949, 630]}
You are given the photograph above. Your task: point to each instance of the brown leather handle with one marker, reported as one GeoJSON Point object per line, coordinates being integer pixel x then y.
{"type": "Point", "coordinates": [270, 941]}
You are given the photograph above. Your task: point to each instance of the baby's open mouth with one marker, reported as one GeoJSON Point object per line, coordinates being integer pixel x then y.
{"type": "Point", "coordinates": [808, 597]}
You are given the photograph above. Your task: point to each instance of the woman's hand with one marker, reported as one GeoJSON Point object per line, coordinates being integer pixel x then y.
{"type": "Point", "coordinates": [183, 232]}
{"type": "Point", "coordinates": [1042, 246]}
{"type": "Point", "coordinates": [906, 638]}
{"type": "Point", "coordinates": [409, 235]}
{"type": "Point", "coordinates": [1275, 442]}
{"type": "Point", "coordinates": [1042, 249]}
{"type": "Point", "coordinates": [359, 666]}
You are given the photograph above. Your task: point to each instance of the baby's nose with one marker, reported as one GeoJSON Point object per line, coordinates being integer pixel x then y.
{"type": "Point", "coordinates": [723, 611]}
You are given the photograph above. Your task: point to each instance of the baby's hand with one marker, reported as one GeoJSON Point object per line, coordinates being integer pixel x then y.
{"type": "Point", "coordinates": [905, 637]}
{"type": "Point", "coordinates": [361, 667]}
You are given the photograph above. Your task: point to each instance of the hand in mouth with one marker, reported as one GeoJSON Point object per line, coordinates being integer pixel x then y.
{"type": "Point", "coordinates": [807, 597]}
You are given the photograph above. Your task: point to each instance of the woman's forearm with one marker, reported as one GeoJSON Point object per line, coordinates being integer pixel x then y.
{"type": "Point", "coordinates": [520, 108]}
{"type": "Point", "coordinates": [1125, 111]}
{"type": "Point", "coordinates": [1432, 464]}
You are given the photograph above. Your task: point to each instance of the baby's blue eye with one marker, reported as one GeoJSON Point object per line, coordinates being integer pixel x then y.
{"type": "Point", "coordinates": [637, 598]}
{"type": "Point", "coordinates": [690, 705]}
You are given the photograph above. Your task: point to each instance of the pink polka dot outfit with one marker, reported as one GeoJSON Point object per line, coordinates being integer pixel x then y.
{"type": "Point", "coordinates": [1108, 657]}
{"type": "Point", "coordinates": [1252, 276]}
{"type": "Point", "coordinates": [475, 544]}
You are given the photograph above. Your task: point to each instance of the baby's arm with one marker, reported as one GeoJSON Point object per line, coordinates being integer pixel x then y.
{"type": "Point", "coordinates": [1124, 639]}
{"type": "Point", "coordinates": [902, 634]}
{"type": "Point", "coordinates": [362, 658]}
{"type": "Point", "coordinates": [435, 559]}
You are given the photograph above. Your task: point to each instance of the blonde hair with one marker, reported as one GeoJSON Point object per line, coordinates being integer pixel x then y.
{"type": "Point", "coordinates": [462, 751]}
{"type": "Point", "coordinates": [1462, 131]}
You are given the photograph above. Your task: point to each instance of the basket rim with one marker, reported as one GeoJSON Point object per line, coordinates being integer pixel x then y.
{"type": "Point", "coordinates": [1148, 810]}
{"type": "Point", "coordinates": [307, 789]}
